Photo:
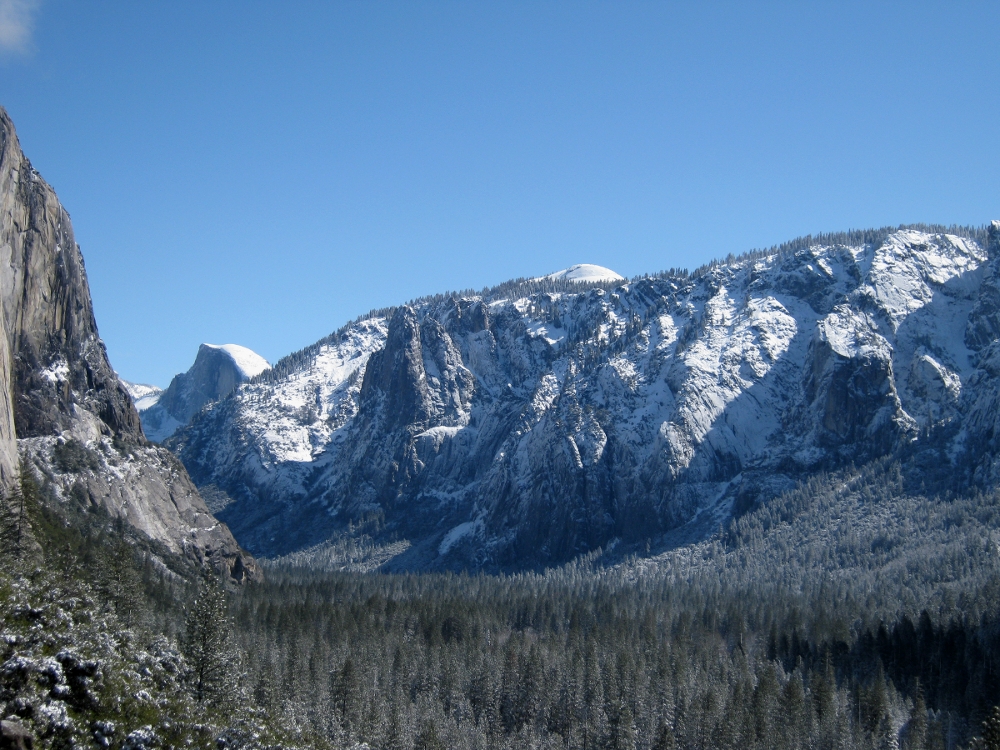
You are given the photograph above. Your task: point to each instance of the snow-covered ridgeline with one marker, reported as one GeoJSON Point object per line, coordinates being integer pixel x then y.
{"type": "Point", "coordinates": [144, 396]}
{"type": "Point", "coordinates": [586, 272]}
{"type": "Point", "coordinates": [293, 423]}
{"type": "Point", "coordinates": [533, 428]}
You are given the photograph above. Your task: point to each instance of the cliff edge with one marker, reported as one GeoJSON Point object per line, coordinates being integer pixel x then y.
{"type": "Point", "coordinates": [64, 414]}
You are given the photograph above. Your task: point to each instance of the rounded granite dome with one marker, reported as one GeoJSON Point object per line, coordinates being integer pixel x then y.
{"type": "Point", "coordinates": [586, 272]}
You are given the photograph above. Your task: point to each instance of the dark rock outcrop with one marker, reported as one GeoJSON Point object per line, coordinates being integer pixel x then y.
{"type": "Point", "coordinates": [850, 387]}
{"type": "Point", "coordinates": [984, 323]}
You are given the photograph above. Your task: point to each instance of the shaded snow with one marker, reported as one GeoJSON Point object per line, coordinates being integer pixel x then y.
{"type": "Point", "coordinates": [146, 402]}
{"type": "Point", "coordinates": [158, 424]}
{"type": "Point", "coordinates": [453, 536]}
{"type": "Point", "coordinates": [693, 380]}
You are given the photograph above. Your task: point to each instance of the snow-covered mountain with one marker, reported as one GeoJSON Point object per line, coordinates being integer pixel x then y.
{"type": "Point", "coordinates": [542, 419]}
{"type": "Point", "coordinates": [217, 369]}
{"type": "Point", "coordinates": [143, 395]}
{"type": "Point", "coordinates": [586, 272]}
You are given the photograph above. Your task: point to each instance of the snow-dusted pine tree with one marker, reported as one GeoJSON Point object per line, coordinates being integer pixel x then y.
{"type": "Point", "coordinates": [208, 648]}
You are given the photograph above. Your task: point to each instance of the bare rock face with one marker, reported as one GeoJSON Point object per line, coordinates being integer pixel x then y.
{"type": "Point", "coordinates": [60, 367]}
{"type": "Point", "coordinates": [59, 387]}
{"type": "Point", "coordinates": [851, 389]}
{"type": "Point", "coordinates": [984, 323]}
{"type": "Point", "coordinates": [60, 364]}
{"type": "Point", "coordinates": [8, 435]}
{"type": "Point", "coordinates": [213, 375]}
{"type": "Point", "coordinates": [980, 436]}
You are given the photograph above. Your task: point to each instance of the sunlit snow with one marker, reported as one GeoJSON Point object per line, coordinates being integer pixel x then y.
{"type": "Point", "coordinates": [696, 375]}
{"type": "Point", "coordinates": [247, 360]}
{"type": "Point", "coordinates": [586, 272]}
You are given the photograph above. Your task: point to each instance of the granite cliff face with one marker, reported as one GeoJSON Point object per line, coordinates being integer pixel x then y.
{"type": "Point", "coordinates": [979, 437]}
{"type": "Point", "coordinates": [539, 420]}
{"type": "Point", "coordinates": [61, 398]}
{"type": "Point", "coordinates": [216, 371]}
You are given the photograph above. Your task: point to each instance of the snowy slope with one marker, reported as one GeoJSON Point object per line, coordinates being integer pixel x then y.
{"type": "Point", "coordinates": [524, 428]}
{"type": "Point", "coordinates": [144, 396]}
{"type": "Point", "coordinates": [247, 361]}
{"type": "Point", "coordinates": [586, 272]}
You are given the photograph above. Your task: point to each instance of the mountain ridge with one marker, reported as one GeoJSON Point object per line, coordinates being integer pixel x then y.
{"type": "Point", "coordinates": [528, 424]}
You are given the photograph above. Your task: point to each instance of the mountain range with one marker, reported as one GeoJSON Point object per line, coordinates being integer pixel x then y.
{"type": "Point", "coordinates": [520, 426]}
{"type": "Point", "coordinates": [764, 495]}
{"type": "Point", "coordinates": [527, 424]}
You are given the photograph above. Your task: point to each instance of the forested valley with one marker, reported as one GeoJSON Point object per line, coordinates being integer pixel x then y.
{"type": "Point", "coordinates": [848, 613]}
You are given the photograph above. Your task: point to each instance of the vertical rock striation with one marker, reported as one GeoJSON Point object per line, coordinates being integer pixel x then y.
{"type": "Point", "coordinates": [216, 371]}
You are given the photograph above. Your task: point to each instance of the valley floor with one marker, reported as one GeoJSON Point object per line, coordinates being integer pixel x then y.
{"type": "Point", "coordinates": [849, 613]}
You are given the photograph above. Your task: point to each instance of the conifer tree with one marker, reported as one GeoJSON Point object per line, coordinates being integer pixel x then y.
{"type": "Point", "coordinates": [394, 739]}
{"type": "Point", "coordinates": [621, 729]}
{"type": "Point", "coordinates": [875, 702]}
{"type": "Point", "coordinates": [208, 649]}
{"type": "Point", "coordinates": [824, 693]}
{"type": "Point", "coordinates": [990, 739]}
{"type": "Point", "coordinates": [664, 737]}
{"type": "Point", "coordinates": [346, 696]}
{"type": "Point", "coordinates": [14, 512]}
{"type": "Point", "coordinates": [916, 727]}
{"type": "Point", "coordinates": [428, 739]}
{"type": "Point", "coordinates": [9, 530]}
{"type": "Point", "coordinates": [121, 577]}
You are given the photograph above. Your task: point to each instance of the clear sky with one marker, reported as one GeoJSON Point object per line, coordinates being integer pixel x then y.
{"type": "Point", "coordinates": [260, 173]}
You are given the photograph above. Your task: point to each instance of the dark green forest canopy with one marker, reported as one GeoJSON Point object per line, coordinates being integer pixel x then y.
{"type": "Point", "coordinates": [844, 614]}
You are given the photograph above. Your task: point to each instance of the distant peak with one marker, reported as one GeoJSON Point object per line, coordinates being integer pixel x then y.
{"type": "Point", "coordinates": [245, 359]}
{"type": "Point", "coordinates": [586, 272]}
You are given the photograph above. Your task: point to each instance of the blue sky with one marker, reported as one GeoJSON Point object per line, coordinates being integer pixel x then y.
{"type": "Point", "coordinates": [260, 173]}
